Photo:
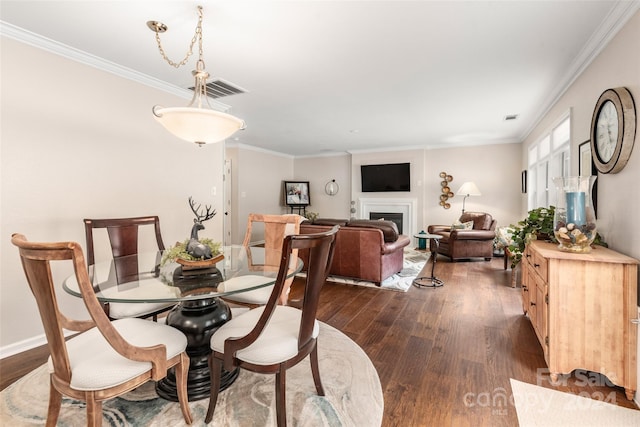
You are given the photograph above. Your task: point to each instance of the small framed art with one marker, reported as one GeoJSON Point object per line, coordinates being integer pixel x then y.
{"type": "Point", "coordinates": [297, 193]}
{"type": "Point", "coordinates": [587, 167]}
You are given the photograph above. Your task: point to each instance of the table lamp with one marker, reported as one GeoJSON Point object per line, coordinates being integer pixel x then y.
{"type": "Point", "coordinates": [468, 189]}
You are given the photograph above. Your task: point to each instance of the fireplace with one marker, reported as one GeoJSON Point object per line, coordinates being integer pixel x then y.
{"type": "Point", "coordinates": [389, 216]}
{"type": "Point", "coordinates": [389, 207]}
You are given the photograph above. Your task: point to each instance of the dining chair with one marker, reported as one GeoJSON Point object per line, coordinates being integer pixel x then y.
{"type": "Point", "coordinates": [107, 359]}
{"type": "Point", "coordinates": [123, 238]}
{"type": "Point", "coordinates": [272, 338]}
{"type": "Point", "coordinates": [274, 228]}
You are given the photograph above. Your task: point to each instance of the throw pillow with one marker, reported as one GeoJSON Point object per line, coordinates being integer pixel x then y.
{"type": "Point", "coordinates": [462, 225]}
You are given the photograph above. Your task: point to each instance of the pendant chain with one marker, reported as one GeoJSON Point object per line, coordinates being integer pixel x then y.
{"type": "Point", "coordinates": [196, 37]}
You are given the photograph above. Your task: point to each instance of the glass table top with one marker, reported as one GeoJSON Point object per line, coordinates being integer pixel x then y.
{"type": "Point", "coordinates": [141, 278]}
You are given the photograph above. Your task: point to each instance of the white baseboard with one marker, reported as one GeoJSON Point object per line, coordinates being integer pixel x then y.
{"type": "Point", "coordinates": [28, 344]}
{"type": "Point", "coordinates": [21, 346]}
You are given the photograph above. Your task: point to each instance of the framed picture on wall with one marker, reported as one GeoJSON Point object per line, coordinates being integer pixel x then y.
{"type": "Point", "coordinates": [587, 167]}
{"type": "Point", "coordinates": [585, 163]}
{"type": "Point", "coordinates": [297, 193]}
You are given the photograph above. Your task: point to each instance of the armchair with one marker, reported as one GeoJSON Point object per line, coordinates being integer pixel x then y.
{"type": "Point", "coordinates": [476, 242]}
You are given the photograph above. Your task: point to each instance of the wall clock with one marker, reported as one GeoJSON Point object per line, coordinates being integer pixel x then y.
{"type": "Point", "coordinates": [613, 130]}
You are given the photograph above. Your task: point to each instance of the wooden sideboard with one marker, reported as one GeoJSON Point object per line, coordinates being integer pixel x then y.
{"type": "Point", "coordinates": [581, 307]}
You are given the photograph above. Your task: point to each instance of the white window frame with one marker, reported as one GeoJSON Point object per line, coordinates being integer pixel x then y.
{"type": "Point", "coordinates": [547, 159]}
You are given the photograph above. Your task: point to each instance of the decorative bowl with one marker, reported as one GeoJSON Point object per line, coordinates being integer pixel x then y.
{"type": "Point", "coordinates": [198, 264]}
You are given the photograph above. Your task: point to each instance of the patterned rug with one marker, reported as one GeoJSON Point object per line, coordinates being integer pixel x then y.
{"type": "Point", "coordinates": [414, 261]}
{"type": "Point", "coordinates": [351, 384]}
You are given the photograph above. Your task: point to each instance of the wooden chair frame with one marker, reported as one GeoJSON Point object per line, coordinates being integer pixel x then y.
{"type": "Point", "coordinates": [123, 238]}
{"type": "Point", "coordinates": [321, 247]}
{"type": "Point", "coordinates": [36, 258]}
{"type": "Point", "coordinates": [275, 230]}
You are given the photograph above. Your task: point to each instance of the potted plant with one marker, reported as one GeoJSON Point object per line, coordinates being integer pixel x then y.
{"type": "Point", "coordinates": [538, 225]}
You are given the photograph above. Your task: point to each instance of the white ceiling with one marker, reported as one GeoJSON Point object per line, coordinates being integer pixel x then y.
{"type": "Point", "coordinates": [333, 76]}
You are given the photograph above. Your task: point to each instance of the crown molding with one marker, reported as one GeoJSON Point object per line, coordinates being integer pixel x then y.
{"type": "Point", "coordinates": [618, 16]}
{"type": "Point", "coordinates": [30, 38]}
{"type": "Point", "coordinates": [235, 144]}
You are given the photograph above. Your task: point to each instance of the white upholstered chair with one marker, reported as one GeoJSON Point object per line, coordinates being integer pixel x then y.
{"type": "Point", "coordinates": [272, 338]}
{"type": "Point", "coordinates": [108, 358]}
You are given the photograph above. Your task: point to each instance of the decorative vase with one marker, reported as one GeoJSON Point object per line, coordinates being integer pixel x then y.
{"type": "Point", "coordinates": [574, 221]}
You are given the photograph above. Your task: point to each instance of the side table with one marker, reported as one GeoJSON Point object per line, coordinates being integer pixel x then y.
{"type": "Point", "coordinates": [430, 281]}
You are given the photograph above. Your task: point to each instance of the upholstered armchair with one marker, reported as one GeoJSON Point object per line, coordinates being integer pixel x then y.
{"type": "Point", "coordinates": [474, 238]}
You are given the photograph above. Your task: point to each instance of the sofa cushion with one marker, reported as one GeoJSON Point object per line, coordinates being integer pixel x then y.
{"type": "Point", "coordinates": [389, 228]}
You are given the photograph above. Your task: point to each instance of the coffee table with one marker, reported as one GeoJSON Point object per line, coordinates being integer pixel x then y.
{"type": "Point", "coordinates": [430, 281]}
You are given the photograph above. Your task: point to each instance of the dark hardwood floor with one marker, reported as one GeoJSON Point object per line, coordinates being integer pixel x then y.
{"type": "Point", "coordinates": [443, 355]}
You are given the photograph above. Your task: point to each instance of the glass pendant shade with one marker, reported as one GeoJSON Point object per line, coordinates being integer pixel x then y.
{"type": "Point", "coordinates": [199, 125]}
{"type": "Point", "coordinates": [197, 122]}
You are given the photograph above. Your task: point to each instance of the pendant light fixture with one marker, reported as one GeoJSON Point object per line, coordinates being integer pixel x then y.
{"type": "Point", "coordinates": [197, 122]}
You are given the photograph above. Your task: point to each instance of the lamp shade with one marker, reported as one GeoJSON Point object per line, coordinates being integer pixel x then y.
{"type": "Point", "coordinates": [199, 125]}
{"type": "Point", "coordinates": [469, 189]}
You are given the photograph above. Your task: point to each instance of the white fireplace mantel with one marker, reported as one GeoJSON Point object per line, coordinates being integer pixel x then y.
{"type": "Point", "coordinates": [407, 207]}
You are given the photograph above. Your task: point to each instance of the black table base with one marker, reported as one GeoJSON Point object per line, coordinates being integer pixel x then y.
{"type": "Point", "coordinates": [198, 320]}
{"type": "Point", "coordinates": [430, 281]}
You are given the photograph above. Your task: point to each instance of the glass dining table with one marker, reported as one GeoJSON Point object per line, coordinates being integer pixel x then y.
{"type": "Point", "coordinates": [197, 292]}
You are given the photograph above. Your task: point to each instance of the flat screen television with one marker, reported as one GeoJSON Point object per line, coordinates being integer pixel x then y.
{"type": "Point", "coordinates": [387, 177]}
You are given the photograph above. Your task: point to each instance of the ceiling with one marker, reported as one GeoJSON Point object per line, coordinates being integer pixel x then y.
{"type": "Point", "coordinates": [325, 77]}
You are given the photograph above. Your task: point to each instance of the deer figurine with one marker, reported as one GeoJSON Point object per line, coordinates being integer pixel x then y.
{"type": "Point", "coordinates": [194, 247]}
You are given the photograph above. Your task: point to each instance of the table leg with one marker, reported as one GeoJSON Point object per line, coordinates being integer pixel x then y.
{"type": "Point", "coordinates": [198, 320]}
{"type": "Point", "coordinates": [431, 281]}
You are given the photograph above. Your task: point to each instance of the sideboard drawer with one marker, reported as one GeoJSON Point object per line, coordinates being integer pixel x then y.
{"type": "Point", "coordinates": [540, 264]}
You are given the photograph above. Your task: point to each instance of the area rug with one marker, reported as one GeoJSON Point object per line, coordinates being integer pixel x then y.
{"type": "Point", "coordinates": [542, 407]}
{"type": "Point", "coordinates": [353, 397]}
{"type": "Point", "coordinates": [413, 263]}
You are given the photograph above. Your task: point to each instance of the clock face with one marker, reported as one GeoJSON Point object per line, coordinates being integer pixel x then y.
{"type": "Point", "coordinates": [607, 131]}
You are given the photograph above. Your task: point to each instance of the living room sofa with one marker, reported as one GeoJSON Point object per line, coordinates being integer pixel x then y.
{"type": "Point", "coordinates": [370, 250]}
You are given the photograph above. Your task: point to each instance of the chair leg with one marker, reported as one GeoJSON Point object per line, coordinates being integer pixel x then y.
{"type": "Point", "coordinates": [215, 371]}
{"type": "Point", "coordinates": [55, 401]}
{"type": "Point", "coordinates": [281, 401]}
{"type": "Point", "coordinates": [94, 411]}
{"type": "Point", "coordinates": [181, 371]}
{"type": "Point", "coordinates": [315, 371]}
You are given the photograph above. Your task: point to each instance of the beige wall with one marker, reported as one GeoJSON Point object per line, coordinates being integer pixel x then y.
{"type": "Point", "coordinates": [320, 170]}
{"type": "Point", "coordinates": [77, 143]}
{"type": "Point", "coordinates": [257, 184]}
{"type": "Point", "coordinates": [495, 169]}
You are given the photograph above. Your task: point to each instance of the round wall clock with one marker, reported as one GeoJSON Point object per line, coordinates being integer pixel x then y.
{"type": "Point", "coordinates": [613, 130]}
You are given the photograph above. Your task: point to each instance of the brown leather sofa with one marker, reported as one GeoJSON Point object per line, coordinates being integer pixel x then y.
{"type": "Point", "coordinates": [464, 244]}
{"type": "Point", "coordinates": [370, 250]}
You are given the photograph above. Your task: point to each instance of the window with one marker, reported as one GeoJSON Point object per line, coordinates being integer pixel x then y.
{"type": "Point", "coordinates": [547, 159]}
